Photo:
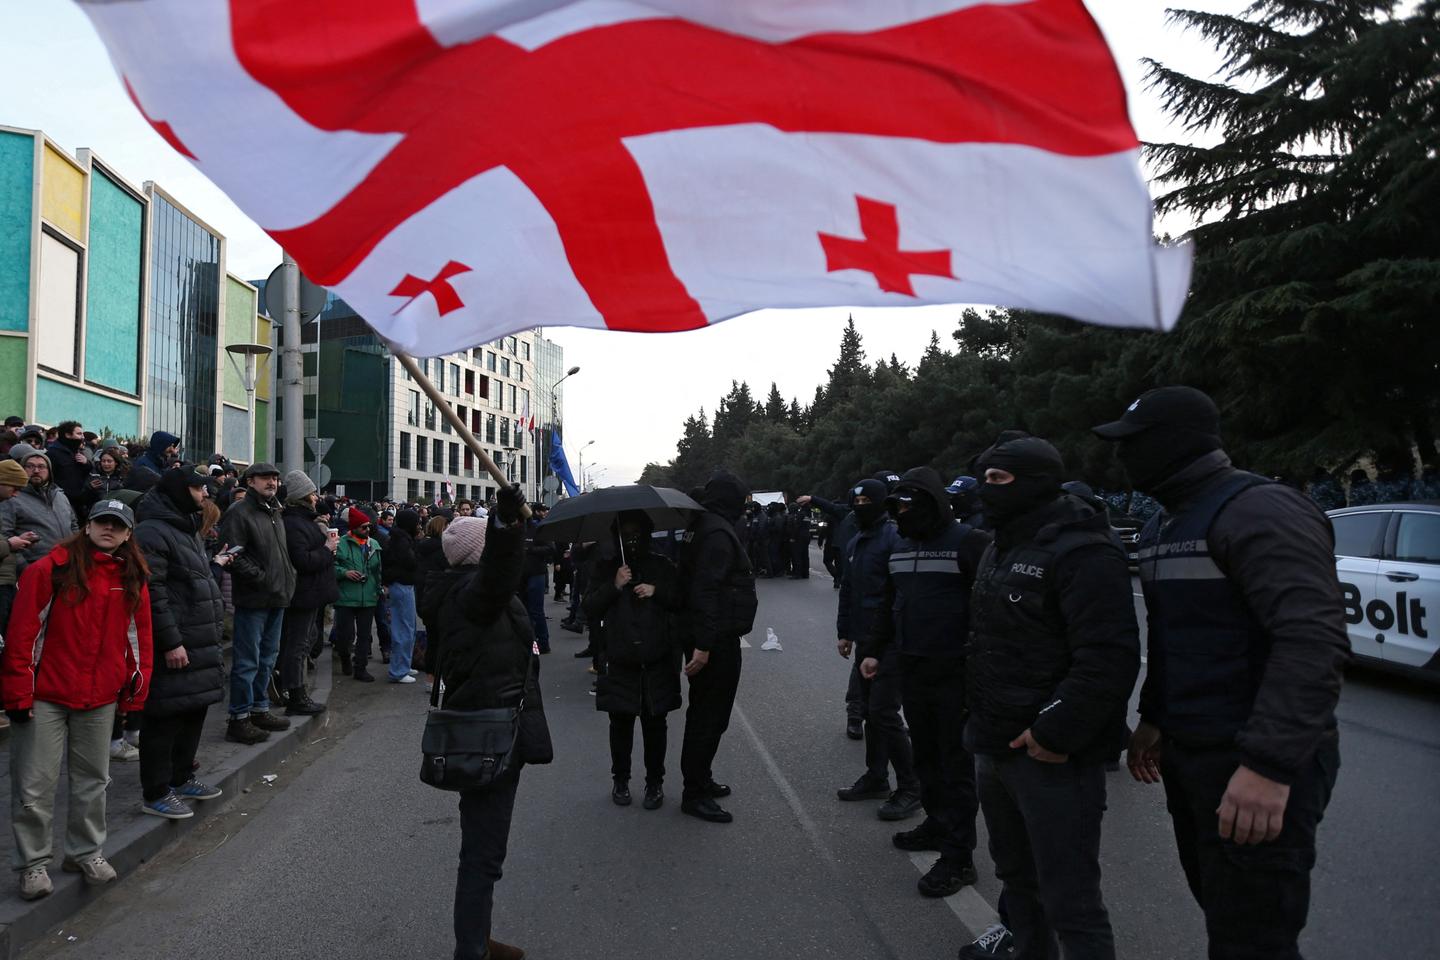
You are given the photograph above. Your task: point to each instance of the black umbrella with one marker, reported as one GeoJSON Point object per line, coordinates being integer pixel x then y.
{"type": "Point", "coordinates": [591, 516]}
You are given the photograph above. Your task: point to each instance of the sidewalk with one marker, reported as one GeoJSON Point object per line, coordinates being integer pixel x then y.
{"type": "Point", "coordinates": [135, 837]}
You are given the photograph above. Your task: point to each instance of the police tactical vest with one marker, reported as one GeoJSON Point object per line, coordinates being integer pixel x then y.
{"type": "Point", "coordinates": [932, 594]}
{"type": "Point", "coordinates": [1018, 650]}
{"type": "Point", "coordinates": [1206, 651]}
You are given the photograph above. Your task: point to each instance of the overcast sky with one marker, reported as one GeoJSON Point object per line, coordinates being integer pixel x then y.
{"type": "Point", "coordinates": [634, 390]}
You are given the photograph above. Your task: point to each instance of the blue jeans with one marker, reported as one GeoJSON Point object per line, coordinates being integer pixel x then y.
{"type": "Point", "coordinates": [257, 646]}
{"type": "Point", "coordinates": [402, 628]}
{"type": "Point", "coordinates": [535, 606]}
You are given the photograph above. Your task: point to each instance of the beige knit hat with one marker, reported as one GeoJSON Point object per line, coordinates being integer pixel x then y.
{"type": "Point", "coordinates": [463, 541]}
{"type": "Point", "coordinates": [12, 474]}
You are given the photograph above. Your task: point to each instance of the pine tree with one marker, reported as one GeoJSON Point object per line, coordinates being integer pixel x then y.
{"type": "Point", "coordinates": [1317, 285]}
{"type": "Point", "coordinates": [775, 410]}
{"type": "Point", "coordinates": [737, 410]}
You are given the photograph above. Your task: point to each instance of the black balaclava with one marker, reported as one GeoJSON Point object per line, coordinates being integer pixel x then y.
{"type": "Point", "coordinates": [71, 443]}
{"type": "Point", "coordinates": [1037, 467]}
{"type": "Point", "coordinates": [1153, 456]}
{"type": "Point", "coordinates": [918, 522]}
{"type": "Point", "coordinates": [868, 514]}
{"type": "Point", "coordinates": [636, 539]}
{"type": "Point", "coordinates": [174, 484]}
{"type": "Point", "coordinates": [725, 494]}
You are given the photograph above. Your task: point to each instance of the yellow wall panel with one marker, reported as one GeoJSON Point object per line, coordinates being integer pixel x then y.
{"type": "Point", "coordinates": [62, 200]}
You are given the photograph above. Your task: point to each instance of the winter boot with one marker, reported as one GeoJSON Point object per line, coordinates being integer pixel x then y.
{"type": "Point", "coordinates": [241, 730]}
{"type": "Point", "coordinates": [268, 721]}
{"type": "Point", "coordinates": [300, 704]}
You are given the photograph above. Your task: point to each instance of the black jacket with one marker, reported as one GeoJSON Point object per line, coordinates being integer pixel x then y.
{"type": "Point", "coordinates": [639, 637]}
{"type": "Point", "coordinates": [1053, 641]}
{"type": "Point", "coordinates": [68, 475]}
{"type": "Point", "coordinates": [539, 554]}
{"type": "Point", "coordinates": [720, 586]}
{"type": "Point", "coordinates": [398, 561]}
{"type": "Point", "coordinates": [262, 575]}
{"type": "Point", "coordinates": [862, 586]}
{"type": "Point", "coordinates": [1277, 548]}
{"type": "Point", "coordinates": [314, 562]}
{"type": "Point", "coordinates": [186, 608]}
{"type": "Point", "coordinates": [430, 562]}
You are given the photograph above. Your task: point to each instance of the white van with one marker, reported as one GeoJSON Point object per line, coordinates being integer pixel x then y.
{"type": "Point", "coordinates": [1388, 560]}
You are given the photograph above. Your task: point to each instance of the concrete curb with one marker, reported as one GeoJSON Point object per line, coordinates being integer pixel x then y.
{"type": "Point", "coordinates": [130, 845]}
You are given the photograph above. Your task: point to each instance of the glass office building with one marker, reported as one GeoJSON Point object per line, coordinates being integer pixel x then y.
{"type": "Point", "coordinates": [183, 336]}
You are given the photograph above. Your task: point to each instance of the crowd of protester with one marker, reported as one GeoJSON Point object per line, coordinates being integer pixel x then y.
{"type": "Point", "coordinates": [124, 569]}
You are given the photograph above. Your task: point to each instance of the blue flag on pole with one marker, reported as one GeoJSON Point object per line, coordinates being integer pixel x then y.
{"type": "Point", "coordinates": [560, 466]}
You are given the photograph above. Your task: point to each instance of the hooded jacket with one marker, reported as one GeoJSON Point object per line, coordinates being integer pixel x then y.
{"type": "Point", "coordinates": [1054, 645]}
{"type": "Point", "coordinates": [314, 564]}
{"type": "Point", "coordinates": [642, 649]}
{"type": "Point", "coordinates": [398, 561]}
{"type": "Point", "coordinates": [720, 586]}
{"type": "Point", "coordinates": [186, 609]}
{"type": "Point", "coordinates": [154, 456]}
{"type": "Point", "coordinates": [90, 654]}
{"type": "Point", "coordinates": [924, 610]}
{"type": "Point", "coordinates": [262, 575]}
{"type": "Point", "coordinates": [45, 510]}
{"type": "Point", "coordinates": [69, 476]}
{"type": "Point", "coordinates": [862, 586]}
{"type": "Point", "coordinates": [364, 558]}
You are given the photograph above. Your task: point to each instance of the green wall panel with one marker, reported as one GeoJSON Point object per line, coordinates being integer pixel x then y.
{"type": "Point", "coordinates": [112, 325]}
{"type": "Point", "coordinates": [17, 182]}
{"type": "Point", "coordinates": [239, 328]}
{"type": "Point", "coordinates": [262, 430]}
{"type": "Point", "coordinates": [13, 364]}
{"type": "Point", "coordinates": [56, 401]}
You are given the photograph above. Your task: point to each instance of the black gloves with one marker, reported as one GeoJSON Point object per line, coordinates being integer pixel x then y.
{"type": "Point", "coordinates": [508, 504]}
{"type": "Point", "coordinates": [18, 716]}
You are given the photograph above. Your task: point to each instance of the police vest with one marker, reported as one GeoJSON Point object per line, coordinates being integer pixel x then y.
{"type": "Point", "coordinates": [932, 594]}
{"type": "Point", "coordinates": [1206, 651]}
{"type": "Point", "coordinates": [1018, 651]}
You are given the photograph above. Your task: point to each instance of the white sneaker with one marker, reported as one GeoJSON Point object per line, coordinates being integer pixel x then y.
{"type": "Point", "coordinates": [414, 673]}
{"type": "Point", "coordinates": [408, 678]}
{"type": "Point", "coordinates": [96, 869]}
{"type": "Point", "coordinates": [35, 883]}
{"type": "Point", "coordinates": [122, 750]}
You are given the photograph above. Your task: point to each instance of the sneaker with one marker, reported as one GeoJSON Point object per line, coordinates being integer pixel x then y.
{"type": "Point", "coordinates": [946, 878]}
{"type": "Point", "coordinates": [268, 721]}
{"type": "Point", "coordinates": [620, 793]}
{"type": "Point", "coordinates": [997, 941]}
{"type": "Point", "coordinates": [132, 737]}
{"type": "Point", "coordinates": [122, 750]}
{"type": "Point", "coordinates": [95, 869]}
{"type": "Point", "coordinates": [35, 883]}
{"type": "Point", "coordinates": [924, 837]}
{"type": "Point", "coordinates": [865, 789]}
{"type": "Point", "coordinates": [654, 796]}
{"type": "Point", "coordinates": [363, 675]}
{"type": "Point", "coordinates": [170, 806]}
{"type": "Point", "coordinates": [193, 789]}
{"type": "Point", "coordinates": [408, 678]}
{"type": "Point", "coordinates": [414, 672]}
{"type": "Point", "coordinates": [241, 730]}
{"type": "Point", "coordinates": [704, 808]}
{"type": "Point", "coordinates": [902, 805]}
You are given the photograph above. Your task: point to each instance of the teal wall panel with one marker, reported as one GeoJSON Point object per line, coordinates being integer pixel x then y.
{"type": "Point", "coordinates": [14, 361]}
{"type": "Point", "coordinates": [112, 326]}
{"type": "Point", "coordinates": [56, 401]}
{"type": "Point", "coordinates": [17, 182]}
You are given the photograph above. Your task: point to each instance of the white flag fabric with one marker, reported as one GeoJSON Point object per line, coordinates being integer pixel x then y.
{"type": "Point", "coordinates": [460, 169]}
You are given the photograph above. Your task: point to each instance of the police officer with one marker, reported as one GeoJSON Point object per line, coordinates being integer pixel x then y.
{"type": "Point", "coordinates": [775, 539]}
{"type": "Point", "coordinates": [887, 744]}
{"type": "Point", "coordinates": [964, 493]}
{"type": "Point", "coordinates": [1053, 655]}
{"type": "Point", "coordinates": [1246, 647]}
{"type": "Point", "coordinates": [924, 615]}
{"type": "Point", "coordinates": [797, 537]}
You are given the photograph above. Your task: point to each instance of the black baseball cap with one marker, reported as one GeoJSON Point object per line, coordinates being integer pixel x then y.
{"type": "Point", "coordinates": [1183, 407]}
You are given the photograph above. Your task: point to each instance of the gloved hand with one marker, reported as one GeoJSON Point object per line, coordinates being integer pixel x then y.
{"type": "Point", "coordinates": [18, 716]}
{"type": "Point", "coordinates": [508, 504]}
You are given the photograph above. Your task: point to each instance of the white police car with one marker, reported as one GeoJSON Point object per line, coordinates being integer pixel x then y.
{"type": "Point", "coordinates": [1388, 559]}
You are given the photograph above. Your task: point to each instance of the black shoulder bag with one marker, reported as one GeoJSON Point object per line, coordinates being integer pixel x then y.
{"type": "Point", "coordinates": [472, 749]}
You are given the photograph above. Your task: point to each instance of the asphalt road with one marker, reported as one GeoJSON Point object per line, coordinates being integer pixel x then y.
{"type": "Point", "coordinates": [348, 855]}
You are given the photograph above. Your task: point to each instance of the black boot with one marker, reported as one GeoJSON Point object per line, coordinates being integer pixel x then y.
{"type": "Point", "coordinates": [241, 730]}
{"type": "Point", "coordinates": [268, 721]}
{"type": "Point", "coordinates": [300, 704]}
{"type": "Point", "coordinates": [620, 793]}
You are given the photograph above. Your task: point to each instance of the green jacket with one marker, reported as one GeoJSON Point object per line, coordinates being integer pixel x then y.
{"type": "Point", "coordinates": [351, 555]}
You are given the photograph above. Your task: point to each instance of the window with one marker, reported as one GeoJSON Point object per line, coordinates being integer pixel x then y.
{"type": "Point", "coordinates": [437, 456]}
{"type": "Point", "coordinates": [445, 425]}
{"type": "Point", "coordinates": [475, 422]}
{"type": "Point", "coordinates": [421, 449]}
{"type": "Point", "coordinates": [404, 449]}
{"type": "Point", "coordinates": [1359, 534]}
{"type": "Point", "coordinates": [57, 306]}
{"type": "Point", "coordinates": [524, 349]}
{"type": "Point", "coordinates": [510, 346]}
{"type": "Point", "coordinates": [412, 491]}
{"type": "Point", "coordinates": [469, 383]}
{"type": "Point", "coordinates": [504, 367]}
{"type": "Point", "coordinates": [1419, 538]}
{"type": "Point", "coordinates": [412, 416]}
{"type": "Point", "coordinates": [439, 377]}
{"type": "Point", "coordinates": [514, 408]}
{"type": "Point", "coordinates": [490, 361]}
{"type": "Point", "coordinates": [429, 415]}
{"type": "Point", "coordinates": [489, 428]}
{"type": "Point", "coordinates": [455, 378]}
{"type": "Point", "coordinates": [477, 354]}
{"type": "Point", "coordinates": [429, 491]}
{"type": "Point", "coordinates": [523, 465]}
{"type": "Point", "coordinates": [504, 432]}
{"type": "Point", "coordinates": [469, 462]}
{"type": "Point", "coordinates": [519, 371]}
{"type": "Point", "coordinates": [484, 388]}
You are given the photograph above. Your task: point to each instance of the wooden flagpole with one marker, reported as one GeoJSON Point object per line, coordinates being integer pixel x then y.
{"type": "Point", "coordinates": [453, 418]}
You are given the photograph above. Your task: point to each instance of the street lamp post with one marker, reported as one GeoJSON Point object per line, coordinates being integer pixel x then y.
{"type": "Point", "coordinates": [582, 464]}
{"type": "Point", "coordinates": [251, 352]}
{"type": "Point", "coordinates": [554, 416]}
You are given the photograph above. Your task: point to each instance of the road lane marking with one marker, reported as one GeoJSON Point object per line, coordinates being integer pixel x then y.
{"type": "Point", "coordinates": [973, 910]}
{"type": "Point", "coordinates": [782, 783]}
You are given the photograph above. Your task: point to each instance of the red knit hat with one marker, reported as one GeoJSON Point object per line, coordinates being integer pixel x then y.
{"type": "Point", "coordinates": [357, 518]}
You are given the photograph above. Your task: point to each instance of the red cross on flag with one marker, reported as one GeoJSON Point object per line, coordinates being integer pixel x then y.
{"type": "Point", "coordinates": [459, 169]}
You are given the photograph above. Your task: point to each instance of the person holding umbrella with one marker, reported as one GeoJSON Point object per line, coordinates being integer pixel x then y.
{"type": "Point", "coordinates": [632, 604]}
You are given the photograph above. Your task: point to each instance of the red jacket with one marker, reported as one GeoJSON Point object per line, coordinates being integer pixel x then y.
{"type": "Point", "coordinates": [94, 653]}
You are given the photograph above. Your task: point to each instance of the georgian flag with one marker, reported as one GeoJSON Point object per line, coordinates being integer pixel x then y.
{"type": "Point", "coordinates": [458, 169]}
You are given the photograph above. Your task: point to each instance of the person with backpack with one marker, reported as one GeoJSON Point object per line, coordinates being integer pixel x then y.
{"type": "Point", "coordinates": [79, 643]}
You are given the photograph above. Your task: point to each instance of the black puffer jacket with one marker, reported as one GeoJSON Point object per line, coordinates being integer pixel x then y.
{"type": "Point", "coordinates": [720, 586]}
{"type": "Point", "coordinates": [186, 608]}
{"type": "Point", "coordinates": [398, 562]}
{"type": "Point", "coordinates": [314, 562]}
{"type": "Point", "coordinates": [431, 563]}
{"type": "Point", "coordinates": [261, 576]}
{"type": "Point", "coordinates": [639, 637]}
